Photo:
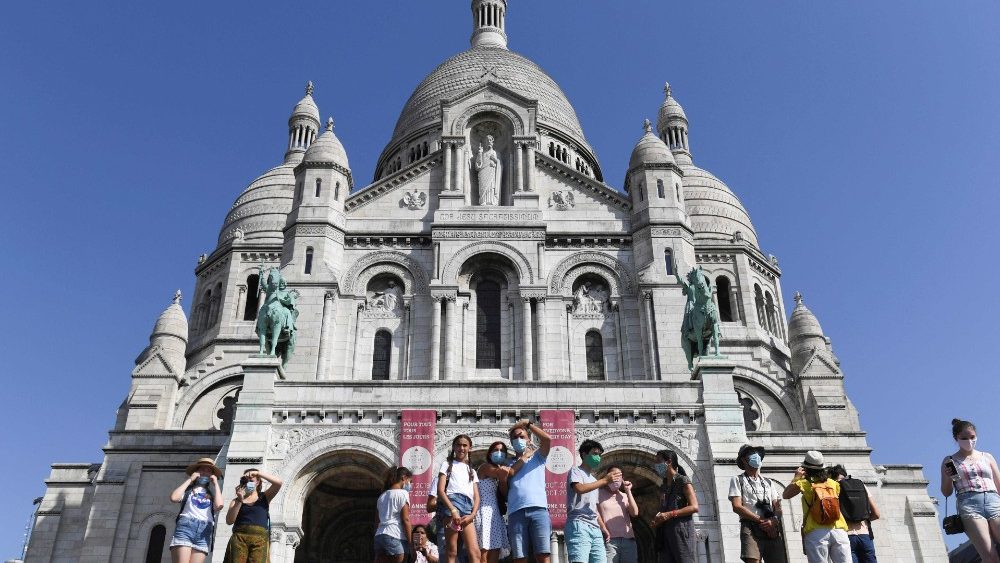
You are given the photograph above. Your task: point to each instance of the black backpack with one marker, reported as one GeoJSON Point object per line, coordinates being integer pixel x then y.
{"type": "Point", "coordinates": [854, 503]}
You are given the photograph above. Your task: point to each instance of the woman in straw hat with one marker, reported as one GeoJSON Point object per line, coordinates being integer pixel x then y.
{"type": "Point", "coordinates": [200, 498]}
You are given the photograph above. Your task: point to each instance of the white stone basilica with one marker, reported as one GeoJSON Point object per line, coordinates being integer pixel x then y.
{"type": "Point", "coordinates": [489, 271]}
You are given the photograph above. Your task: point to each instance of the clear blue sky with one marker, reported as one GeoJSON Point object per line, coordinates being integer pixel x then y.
{"type": "Point", "coordinates": [861, 136]}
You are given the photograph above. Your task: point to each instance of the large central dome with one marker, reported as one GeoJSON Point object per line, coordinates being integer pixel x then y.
{"type": "Point", "coordinates": [470, 68]}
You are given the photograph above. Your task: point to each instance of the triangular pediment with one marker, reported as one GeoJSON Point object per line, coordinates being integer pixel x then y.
{"type": "Point", "coordinates": [484, 90]}
{"type": "Point", "coordinates": [154, 365]}
{"type": "Point", "coordinates": [819, 365]}
{"type": "Point", "coordinates": [586, 186]}
{"type": "Point", "coordinates": [381, 190]}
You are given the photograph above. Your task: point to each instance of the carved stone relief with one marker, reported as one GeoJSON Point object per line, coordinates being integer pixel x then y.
{"type": "Point", "coordinates": [562, 200]}
{"type": "Point", "coordinates": [415, 199]}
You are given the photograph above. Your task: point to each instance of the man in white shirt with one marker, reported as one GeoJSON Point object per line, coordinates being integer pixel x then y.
{"type": "Point", "coordinates": [757, 500]}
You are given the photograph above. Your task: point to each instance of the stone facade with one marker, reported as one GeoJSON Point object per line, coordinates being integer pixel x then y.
{"type": "Point", "coordinates": [412, 294]}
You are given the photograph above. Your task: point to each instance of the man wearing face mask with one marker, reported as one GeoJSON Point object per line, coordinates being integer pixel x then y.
{"type": "Point", "coordinates": [617, 508]}
{"type": "Point", "coordinates": [527, 504]}
{"type": "Point", "coordinates": [585, 531]}
{"type": "Point", "coordinates": [757, 500]}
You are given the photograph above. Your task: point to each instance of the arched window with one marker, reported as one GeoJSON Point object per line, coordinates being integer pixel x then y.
{"type": "Point", "coordinates": [381, 356]}
{"type": "Point", "coordinates": [154, 549]}
{"type": "Point", "coordinates": [722, 292]}
{"type": "Point", "coordinates": [772, 322]}
{"type": "Point", "coordinates": [758, 301]}
{"type": "Point", "coordinates": [488, 325]}
{"type": "Point", "coordinates": [336, 192]}
{"type": "Point", "coordinates": [659, 189]}
{"type": "Point", "coordinates": [668, 257]}
{"type": "Point", "coordinates": [595, 356]}
{"type": "Point", "coordinates": [319, 186]}
{"type": "Point", "coordinates": [642, 193]}
{"type": "Point", "coordinates": [309, 260]}
{"type": "Point", "coordinates": [253, 298]}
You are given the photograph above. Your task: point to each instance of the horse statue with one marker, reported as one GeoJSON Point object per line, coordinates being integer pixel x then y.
{"type": "Point", "coordinates": [277, 316]}
{"type": "Point", "coordinates": [701, 317]}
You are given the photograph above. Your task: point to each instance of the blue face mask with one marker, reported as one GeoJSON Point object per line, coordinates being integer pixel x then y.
{"type": "Point", "coordinates": [519, 444]}
{"type": "Point", "coordinates": [250, 487]}
{"type": "Point", "coordinates": [497, 457]}
{"type": "Point", "coordinates": [201, 481]}
{"type": "Point", "coordinates": [755, 461]}
{"type": "Point", "coordinates": [408, 487]}
{"type": "Point", "coordinates": [661, 469]}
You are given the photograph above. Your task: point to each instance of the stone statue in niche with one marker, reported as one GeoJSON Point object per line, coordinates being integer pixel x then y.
{"type": "Point", "coordinates": [489, 170]}
{"type": "Point", "coordinates": [590, 299]}
{"type": "Point", "coordinates": [385, 302]}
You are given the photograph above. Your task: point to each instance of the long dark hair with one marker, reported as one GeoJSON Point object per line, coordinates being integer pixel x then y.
{"type": "Point", "coordinates": [670, 457]}
{"type": "Point", "coordinates": [451, 455]}
{"type": "Point", "coordinates": [958, 426]}
{"type": "Point", "coordinates": [395, 475]}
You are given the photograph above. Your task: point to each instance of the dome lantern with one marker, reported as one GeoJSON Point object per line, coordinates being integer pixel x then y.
{"type": "Point", "coordinates": [672, 125]}
{"type": "Point", "coordinates": [489, 23]}
{"type": "Point", "coordinates": [303, 125]}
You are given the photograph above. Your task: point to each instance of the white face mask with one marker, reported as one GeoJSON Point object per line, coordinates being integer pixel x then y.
{"type": "Point", "coordinates": [967, 445]}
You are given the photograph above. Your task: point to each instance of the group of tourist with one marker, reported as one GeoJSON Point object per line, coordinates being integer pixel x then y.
{"type": "Point", "coordinates": [501, 507]}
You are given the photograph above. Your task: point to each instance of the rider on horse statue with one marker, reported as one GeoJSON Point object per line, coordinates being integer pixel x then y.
{"type": "Point", "coordinates": [276, 320]}
{"type": "Point", "coordinates": [701, 317]}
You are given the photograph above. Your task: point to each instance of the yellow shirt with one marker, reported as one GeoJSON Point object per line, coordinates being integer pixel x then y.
{"type": "Point", "coordinates": [809, 497]}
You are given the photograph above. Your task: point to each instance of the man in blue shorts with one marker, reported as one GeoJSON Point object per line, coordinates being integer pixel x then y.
{"type": "Point", "coordinates": [527, 505]}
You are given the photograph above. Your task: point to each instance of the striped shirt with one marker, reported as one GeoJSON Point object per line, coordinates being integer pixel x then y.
{"type": "Point", "coordinates": [975, 474]}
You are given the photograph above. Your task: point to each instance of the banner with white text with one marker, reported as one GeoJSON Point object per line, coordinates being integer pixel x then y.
{"type": "Point", "coordinates": [561, 426]}
{"type": "Point", "coordinates": [416, 453]}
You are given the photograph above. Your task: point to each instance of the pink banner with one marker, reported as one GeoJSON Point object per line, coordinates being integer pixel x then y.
{"type": "Point", "coordinates": [561, 426]}
{"type": "Point", "coordinates": [416, 447]}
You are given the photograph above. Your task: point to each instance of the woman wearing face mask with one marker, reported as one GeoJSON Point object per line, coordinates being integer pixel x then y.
{"type": "Point", "coordinates": [393, 507]}
{"type": "Point", "coordinates": [249, 515]}
{"type": "Point", "coordinates": [675, 539]}
{"type": "Point", "coordinates": [974, 476]}
{"type": "Point", "coordinates": [200, 498]}
{"type": "Point", "coordinates": [490, 528]}
{"type": "Point", "coordinates": [617, 507]}
{"type": "Point", "coordinates": [757, 501]}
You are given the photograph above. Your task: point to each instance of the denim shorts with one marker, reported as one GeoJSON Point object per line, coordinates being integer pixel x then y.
{"type": "Point", "coordinates": [979, 505]}
{"type": "Point", "coordinates": [193, 533]}
{"type": "Point", "coordinates": [388, 545]}
{"type": "Point", "coordinates": [460, 502]}
{"type": "Point", "coordinates": [529, 524]}
{"type": "Point", "coordinates": [585, 543]}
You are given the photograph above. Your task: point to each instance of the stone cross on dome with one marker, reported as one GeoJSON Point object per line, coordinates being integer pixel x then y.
{"type": "Point", "coordinates": [309, 88]}
{"type": "Point", "coordinates": [329, 124]}
{"type": "Point", "coordinates": [647, 126]}
{"type": "Point", "coordinates": [798, 298]}
{"type": "Point", "coordinates": [177, 297]}
{"type": "Point", "coordinates": [666, 89]}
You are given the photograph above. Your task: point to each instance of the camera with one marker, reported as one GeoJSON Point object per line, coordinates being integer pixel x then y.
{"type": "Point", "coordinates": [765, 509]}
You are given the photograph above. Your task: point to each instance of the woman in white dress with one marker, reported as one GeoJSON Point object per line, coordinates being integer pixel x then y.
{"type": "Point", "coordinates": [490, 527]}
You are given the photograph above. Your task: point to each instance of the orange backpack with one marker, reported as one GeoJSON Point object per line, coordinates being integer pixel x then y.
{"type": "Point", "coordinates": [825, 508]}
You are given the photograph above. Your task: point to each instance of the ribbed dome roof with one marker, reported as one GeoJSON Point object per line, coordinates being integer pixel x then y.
{"type": "Point", "coordinates": [670, 109]}
{"type": "Point", "coordinates": [803, 323]}
{"type": "Point", "coordinates": [327, 148]}
{"type": "Point", "coordinates": [477, 65]}
{"type": "Point", "coordinates": [715, 212]}
{"type": "Point", "coordinates": [172, 321]}
{"type": "Point", "coordinates": [307, 106]}
{"type": "Point", "coordinates": [650, 150]}
{"type": "Point", "coordinates": [261, 210]}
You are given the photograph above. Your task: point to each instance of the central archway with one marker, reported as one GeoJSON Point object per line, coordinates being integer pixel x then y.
{"type": "Point", "coordinates": [339, 515]}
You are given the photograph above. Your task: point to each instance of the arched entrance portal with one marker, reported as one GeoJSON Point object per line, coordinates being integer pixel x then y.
{"type": "Point", "coordinates": [339, 516]}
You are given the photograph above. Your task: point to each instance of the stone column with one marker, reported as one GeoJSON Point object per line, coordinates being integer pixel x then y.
{"type": "Point", "coordinates": [541, 344]}
{"type": "Point", "coordinates": [568, 338]}
{"type": "Point", "coordinates": [519, 177]}
{"type": "Point", "coordinates": [736, 305]}
{"type": "Point", "coordinates": [725, 434]}
{"type": "Point", "coordinates": [653, 354]}
{"type": "Point", "coordinates": [404, 372]}
{"type": "Point", "coordinates": [241, 296]}
{"type": "Point", "coordinates": [447, 165]}
{"type": "Point", "coordinates": [464, 162]}
{"type": "Point", "coordinates": [619, 330]}
{"type": "Point", "coordinates": [322, 363]}
{"type": "Point", "coordinates": [554, 548]}
{"type": "Point", "coordinates": [529, 146]}
{"type": "Point", "coordinates": [528, 352]}
{"type": "Point", "coordinates": [436, 338]}
{"type": "Point", "coordinates": [449, 337]}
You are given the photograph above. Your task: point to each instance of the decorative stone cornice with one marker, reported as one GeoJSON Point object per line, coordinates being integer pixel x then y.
{"type": "Point", "coordinates": [593, 187]}
{"type": "Point", "coordinates": [390, 183]}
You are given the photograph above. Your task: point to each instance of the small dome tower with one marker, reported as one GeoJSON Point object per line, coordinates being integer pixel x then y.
{"type": "Point", "coordinates": [488, 23]}
{"type": "Point", "coordinates": [314, 231]}
{"type": "Point", "coordinates": [805, 335]}
{"type": "Point", "coordinates": [672, 125]}
{"type": "Point", "coordinates": [302, 125]}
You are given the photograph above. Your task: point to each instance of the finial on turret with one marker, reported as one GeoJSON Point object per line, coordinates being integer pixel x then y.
{"type": "Point", "coordinates": [329, 124]}
{"type": "Point", "coordinates": [798, 298]}
{"type": "Point", "coordinates": [666, 89]}
{"type": "Point", "coordinates": [647, 126]}
{"type": "Point", "coordinates": [177, 297]}
{"type": "Point", "coordinates": [309, 88]}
